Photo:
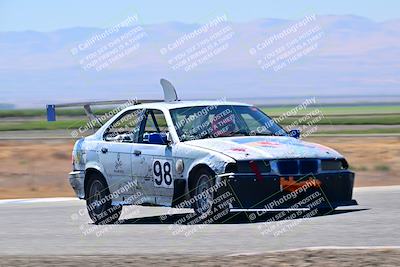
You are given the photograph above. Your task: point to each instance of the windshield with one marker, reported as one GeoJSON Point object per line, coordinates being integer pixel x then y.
{"type": "Point", "coordinates": [201, 122]}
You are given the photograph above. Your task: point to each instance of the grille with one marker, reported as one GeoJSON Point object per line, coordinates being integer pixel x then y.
{"type": "Point", "coordinates": [308, 166]}
{"type": "Point", "coordinates": [288, 167]}
{"type": "Point", "coordinates": [301, 166]}
{"type": "Point", "coordinates": [262, 166]}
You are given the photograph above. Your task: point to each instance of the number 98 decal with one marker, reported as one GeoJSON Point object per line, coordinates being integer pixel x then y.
{"type": "Point", "coordinates": [162, 173]}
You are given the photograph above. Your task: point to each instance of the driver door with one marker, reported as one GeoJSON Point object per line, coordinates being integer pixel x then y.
{"type": "Point", "coordinates": [158, 159]}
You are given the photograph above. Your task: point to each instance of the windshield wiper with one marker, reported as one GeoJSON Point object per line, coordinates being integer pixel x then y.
{"type": "Point", "coordinates": [262, 134]}
{"type": "Point", "coordinates": [242, 133]}
{"type": "Point", "coordinates": [196, 136]}
{"type": "Point", "coordinates": [205, 136]}
{"type": "Point", "coordinates": [245, 133]}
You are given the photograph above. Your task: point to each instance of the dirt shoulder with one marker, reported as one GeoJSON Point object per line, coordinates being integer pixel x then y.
{"type": "Point", "coordinates": [35, 168]}
{"type": "Point", "coordinates": [375, 160]}
{"type": "Point", "coordinates": [321, 257]}
{"type": "Point", "coordinates": [40, 168]}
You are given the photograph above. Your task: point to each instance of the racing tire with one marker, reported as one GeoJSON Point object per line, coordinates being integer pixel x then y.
{"type": "Point", "coordinates": [204, 204]}
{"type": "Point", "coordinates": [98, 202]}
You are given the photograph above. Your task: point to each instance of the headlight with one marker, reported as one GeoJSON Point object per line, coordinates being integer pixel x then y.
{"type": "Point", "coordinates": [334, 164]}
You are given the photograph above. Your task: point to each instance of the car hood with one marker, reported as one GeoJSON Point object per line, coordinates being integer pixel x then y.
{"type": "Point", "coordinates": [265, 147]}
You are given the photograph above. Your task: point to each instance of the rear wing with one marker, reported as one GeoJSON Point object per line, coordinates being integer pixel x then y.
{"type": "Point", "coordinates": [51, 108]}
{"type": "Point", "coordinates": [169, 96]}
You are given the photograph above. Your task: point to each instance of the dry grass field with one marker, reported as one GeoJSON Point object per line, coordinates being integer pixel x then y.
{"type": "Point", "coordinates": [40, 168]}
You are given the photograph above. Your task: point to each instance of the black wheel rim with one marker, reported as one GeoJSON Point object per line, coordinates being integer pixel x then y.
{"type": "Point", "coordinates": [96, 193]}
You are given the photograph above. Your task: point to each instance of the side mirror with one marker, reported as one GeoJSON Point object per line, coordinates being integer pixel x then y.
{"type": "Point", "coordinates": [295, 133]}
{"type": "Point", "coordinates": [169, 138]}
{"type": "Point", "coordinates": [158, 139]}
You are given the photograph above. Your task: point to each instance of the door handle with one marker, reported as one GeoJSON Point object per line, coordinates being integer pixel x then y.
{"type": "Point", "coordinates": [104, 150]}
{"type": "Point", "coordinates": [137, 152]}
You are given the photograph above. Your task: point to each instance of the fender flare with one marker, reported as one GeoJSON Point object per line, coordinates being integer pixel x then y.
{"type": "Point", "coordinates": [88, 173]}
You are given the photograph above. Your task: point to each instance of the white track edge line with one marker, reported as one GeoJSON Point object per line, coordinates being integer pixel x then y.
{"type": "Point", "coordinates": [36, 200]}
{"type": "Point", "coordinates": [313, 249]}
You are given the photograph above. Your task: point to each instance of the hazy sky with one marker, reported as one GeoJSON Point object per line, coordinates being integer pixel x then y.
{"type": "Point", "coordinates": [47, 15]}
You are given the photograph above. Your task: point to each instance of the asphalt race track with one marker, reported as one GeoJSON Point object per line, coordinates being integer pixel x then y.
{"type": "Point", "coordinates": [49, 227]}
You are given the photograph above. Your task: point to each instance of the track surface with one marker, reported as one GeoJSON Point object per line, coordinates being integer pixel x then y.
{"type": "Point", "coordinates": [55, 228]}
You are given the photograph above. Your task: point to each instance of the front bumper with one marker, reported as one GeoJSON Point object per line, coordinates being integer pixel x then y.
{"type": "Point", "coordinates": [323, 191]}
{"type": "Point", "coordinates": [76, 179]}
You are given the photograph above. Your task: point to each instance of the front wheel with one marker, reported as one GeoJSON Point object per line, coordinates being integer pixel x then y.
{"type": "Point", "coordinates": [205, 196]}
{"type": "Point", "coordinates": [98, 203]}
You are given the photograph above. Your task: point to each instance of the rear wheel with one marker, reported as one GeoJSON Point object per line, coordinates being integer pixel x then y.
{"type": "Point", "coordinates": [98, 202]}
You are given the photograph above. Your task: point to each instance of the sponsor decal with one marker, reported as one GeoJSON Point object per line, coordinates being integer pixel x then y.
{"type": "Point", "coordinates": [256, 142]}
{"type": "Point", "coordinates": [263, 144]}
{"type": "Point", "coordinates": [238, 149]}
{"type": "Point", "coordinates": [118, 164]}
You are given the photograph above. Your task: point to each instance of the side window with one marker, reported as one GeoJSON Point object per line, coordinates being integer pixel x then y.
{"type": "Point", "coordinates": [126, 128]}
{"type": "Point", "coordinates": [155, 123]}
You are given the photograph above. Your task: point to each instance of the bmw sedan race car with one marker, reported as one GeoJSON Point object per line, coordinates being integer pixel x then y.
{"type": "Point", "coordinates": [212, 156]}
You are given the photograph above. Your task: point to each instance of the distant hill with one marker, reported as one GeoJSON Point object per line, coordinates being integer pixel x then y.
{"type": "Point", "coordinates": [353, 56]}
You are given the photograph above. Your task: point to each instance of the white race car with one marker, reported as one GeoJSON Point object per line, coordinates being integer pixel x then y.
{"type": "Point", "coordinates": [212, 156]}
